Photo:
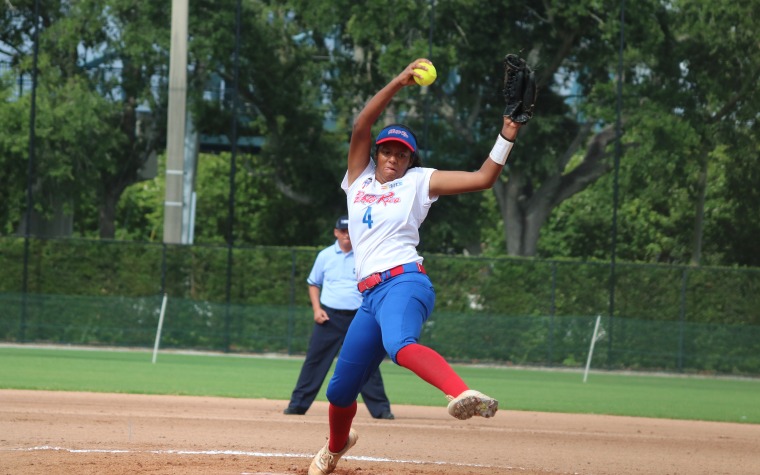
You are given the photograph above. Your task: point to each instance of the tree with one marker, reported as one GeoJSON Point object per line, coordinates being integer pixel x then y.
{"type": "Point", "coordinates": [288, 192]}
{"type": "Point", "coordinates": [98, 59]}
{"type": "Point", "coordinates": [713, 46]}
{"type": "Point", "coordinates": [13, 149]}
{"type": "Point", "coordinates": [691, 114]}
{"type": "Point", "coordinates": [568, 45]}
{"type": "Point", "coordinates": [304, 70]}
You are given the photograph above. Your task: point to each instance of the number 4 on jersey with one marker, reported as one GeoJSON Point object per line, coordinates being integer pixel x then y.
{"type": "Point", "coordinates": [368, 217]}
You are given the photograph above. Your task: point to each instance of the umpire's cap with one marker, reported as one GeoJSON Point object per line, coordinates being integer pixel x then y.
{"type": "Point", "coordinates": [342, 223]}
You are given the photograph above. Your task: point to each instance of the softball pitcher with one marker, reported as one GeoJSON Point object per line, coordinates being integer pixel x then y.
{"type": "Point", "coordinates": [388, 199]}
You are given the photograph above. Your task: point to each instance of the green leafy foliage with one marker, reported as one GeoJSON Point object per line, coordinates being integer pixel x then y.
{"type": "Point", "coordinates": [304, 69]}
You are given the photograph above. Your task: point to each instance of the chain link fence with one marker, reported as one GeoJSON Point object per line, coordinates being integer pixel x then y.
{"type": "Point", "coordinates": [504, 311]}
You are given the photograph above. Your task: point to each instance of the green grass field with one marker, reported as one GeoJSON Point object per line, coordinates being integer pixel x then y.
{"type": "Point", "coordinates": [98, 370]}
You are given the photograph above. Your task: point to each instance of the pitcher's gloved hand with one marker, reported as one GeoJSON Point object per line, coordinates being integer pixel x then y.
{"type": "Point", "coordinates": [519, 89]}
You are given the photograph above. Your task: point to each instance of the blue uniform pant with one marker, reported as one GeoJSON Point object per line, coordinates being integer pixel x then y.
{"type": "Point", "coordinates": [390, 318]}
{"type": "Point", "coordinates": [324, 345]}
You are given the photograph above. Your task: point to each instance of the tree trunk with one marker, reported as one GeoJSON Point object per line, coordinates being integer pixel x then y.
{"type": "Point", "coordinates": [699, 213]}
{"type": "Point", "coordinates": [58, 224]}
{"type": "Point", "coordinates": [107, 209]}
{"type": "Point", "coordinates": [524, 211]}
{"type": "Point", "coordinates": [107, 217]}
{"type": "Point", "coordinates": [507, 197]}
{"type": "Point", "coordinates": [54, 221]}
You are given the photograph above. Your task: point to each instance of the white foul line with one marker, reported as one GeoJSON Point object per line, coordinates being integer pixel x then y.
{"type": "Point", "coordinates": [248, 454]}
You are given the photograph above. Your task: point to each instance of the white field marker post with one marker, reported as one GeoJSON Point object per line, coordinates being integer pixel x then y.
{"type": "Point", "coordinates": [591, 348]}
{"type": "Point", "coordinates": [158, 330]}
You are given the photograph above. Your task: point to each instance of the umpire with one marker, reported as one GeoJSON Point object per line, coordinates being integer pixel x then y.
{"type": "Point", "coordinates": [335, 299]}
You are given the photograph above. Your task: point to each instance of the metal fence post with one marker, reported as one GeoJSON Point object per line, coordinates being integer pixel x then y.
{"type": "Point", "coordinates": [292, 301]}
{"type": "Point", "coordinates": [552, 311]}
{"type": "Point", "coordinates": [30, 171]}
{"type": "Point", "coordinates": [163, 268]}
{"type": "Point", "coordinates": [682, 318]}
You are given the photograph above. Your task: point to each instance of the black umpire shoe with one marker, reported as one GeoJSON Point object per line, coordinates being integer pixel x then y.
{"type": "Point", "coordinates": [386, 415]}
{"type": "Point", "coordinates": [295, 410]}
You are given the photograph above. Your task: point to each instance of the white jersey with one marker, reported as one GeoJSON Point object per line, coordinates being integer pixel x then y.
{"type": "Point", "coordinates": [384, 219]}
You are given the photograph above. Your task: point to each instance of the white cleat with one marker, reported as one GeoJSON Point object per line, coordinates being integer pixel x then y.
{"type": "Point", "coordinates": [473, 403]}
{"type": "Point", "coordinates": [325, 461]}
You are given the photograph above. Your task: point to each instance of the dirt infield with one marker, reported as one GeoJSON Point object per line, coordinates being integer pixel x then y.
{"type": "Point", "coordinates": [86, 433]}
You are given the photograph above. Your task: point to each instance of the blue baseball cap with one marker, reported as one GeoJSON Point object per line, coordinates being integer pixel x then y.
{"type": "Point", "coordinates": [397, 133]}
{"type": "Point", "coordinates": [342, 223]}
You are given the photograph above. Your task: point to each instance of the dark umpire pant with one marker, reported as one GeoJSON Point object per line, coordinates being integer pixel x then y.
{"type": "Point", "coordinates": [326, 341]}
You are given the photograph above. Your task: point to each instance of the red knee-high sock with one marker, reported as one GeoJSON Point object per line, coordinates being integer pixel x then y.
{"type": "Point", "coordinates": [340, 423]}
{"type": "Point", "coordinates": [430, 366]}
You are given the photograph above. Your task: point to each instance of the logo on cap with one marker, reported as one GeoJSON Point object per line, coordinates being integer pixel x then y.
{"type": "Point", "coordinates": [398, 134]}
{"type": "Point", "coordinates": [342, 223]}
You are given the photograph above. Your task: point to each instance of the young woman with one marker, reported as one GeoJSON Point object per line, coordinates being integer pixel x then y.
{"type": "Point", "coordinates": [388, 199]}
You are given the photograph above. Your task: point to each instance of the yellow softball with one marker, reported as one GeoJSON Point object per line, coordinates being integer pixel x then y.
{"type": "Point", "coordinates": [428, 76]}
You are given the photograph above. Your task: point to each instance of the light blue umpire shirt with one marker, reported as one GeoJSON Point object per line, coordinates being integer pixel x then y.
{"type": "Point", "coordinates": [333, 271]}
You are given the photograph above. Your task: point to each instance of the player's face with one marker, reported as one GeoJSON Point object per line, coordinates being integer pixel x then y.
{"type": "Point", "coordinates": [393, 160]}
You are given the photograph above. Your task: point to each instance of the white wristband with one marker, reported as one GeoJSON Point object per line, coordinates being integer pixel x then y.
{"type": "Point", "coordinates": [500, 150]}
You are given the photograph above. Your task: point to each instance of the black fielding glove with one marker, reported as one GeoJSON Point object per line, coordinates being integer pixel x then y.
{"type": "Point", "coordinates": [519, 89]}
